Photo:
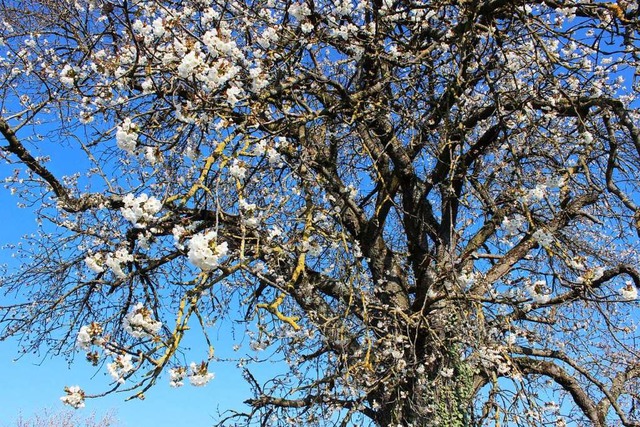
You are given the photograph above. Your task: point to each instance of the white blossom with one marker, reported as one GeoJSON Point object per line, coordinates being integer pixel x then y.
{"type": "Point", "coordinates": [140, 210]}
{"type": "Point", "coordinates": [67, 75]}
{"type": "Point", "coordinates": [120, 367]}
{"type": "Point", "coordinates": [116, 260]}
{"type": "Point", "coordinates": [139, 323]}
{"type": "Point", "coordinates": [74, 397]}
{"type": "Point", "coordinates": [514, 225]}
{"type": "Point", "coordinates": [539, 292]}
{"type": "Point", "coordinates": [89, 335]}
{"type": "Point", "coordinates": [299, 10]}
{"type": "Point", "coordinates": [587, 138]}
{"type": "Point", "coordinates": [543, 237]}
{"type": "Point", "coordinates": [233, 95]}
{"type": "Point", "coordinates": [95, 262]}
{"type": "Point", "coordinates": [591, 274]}
{"type": "Point", "coordinates": [260, 148]}
{"type": "Point", "coordinates": [629, 292]}
{"type": "Point", "coordinates": [204, 252]}
{"type": "Point", "coordinates": [274, 158]}
{"type": "Point", "coordinates": [153, 155]}
{"type": "Point", "coordinates": [176, 376]}
{"type": "Point", "coordinates": [259, 79]}
{"type": "Point", "coordinates": [189, 63]}
{"type": "Point", "coordinates": [446, 372]}
{"type": "Point", "coordinates": [236, 170]}
{"type": "Point", "coordinates": [178, 232]}
{"type": "Point", "coordinates": [199, 376]}
{"type": "Point", "coordinates": [127, 136]}
{"type": "Point", "coordinates": [537, 193]}
{"type": "Point", "coordinates": [492, 358]}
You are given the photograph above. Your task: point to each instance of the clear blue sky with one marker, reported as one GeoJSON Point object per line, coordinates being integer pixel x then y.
{"type": "Point", "coordinates": [33, 383]}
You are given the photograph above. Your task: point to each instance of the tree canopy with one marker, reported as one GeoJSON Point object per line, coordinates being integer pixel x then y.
{"type": "Point", "coordinates": [428, 209]}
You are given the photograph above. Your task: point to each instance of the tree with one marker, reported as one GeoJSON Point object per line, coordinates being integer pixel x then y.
{"type": "Point", "coordinates": [64, 419]}
{"type": "Point", "coordinates": [428, 209]}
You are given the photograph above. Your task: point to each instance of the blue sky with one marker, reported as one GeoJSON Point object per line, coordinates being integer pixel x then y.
{"type": "Point", "coordinates": [33, 383]}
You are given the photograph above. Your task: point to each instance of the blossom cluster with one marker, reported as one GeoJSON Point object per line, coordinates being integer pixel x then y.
{"type": "Point", "coordinates": [115, 261]}
{"type": "Point", "coordinates": [95, 262]}
{"type": "Point", "coordinates": [67, 75]}
{"type": "Point", "coordinates": [74, 397]}
{"type": "Point", "coordinates": [629, 292]}
{"type": "Point", "coordinates": [492, 358]}
{"type": "Point", "coordinates": [120, 367]}
{"type": "Point", "coordinates": [140, 210]}
{"type": "Point", "coordinates": [205, 253]}
{"type": "Point", "coordinates": [176, 376]}
{"type": "Point", "coordinates": [539, 292]}
{"type": "Point", "coordinates": [89, 335]}
{"type": "Point", "coordinates": [127, 136]}
{"type": "Point", "coordinates": [514, 226]}
{"type": "Point", "coordinates": [139, 323]}
{"type": "Point", "coordinates": [543, 237]}
{"type": "Point", "coordinates": [199, 374]}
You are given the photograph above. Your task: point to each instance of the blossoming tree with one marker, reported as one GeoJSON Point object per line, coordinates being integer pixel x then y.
{"type": "Point", "coordinates": [428, 209]}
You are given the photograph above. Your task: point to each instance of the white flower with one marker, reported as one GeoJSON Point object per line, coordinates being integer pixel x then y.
{"type": "Point", "coordinates": [158, 27]}
{"type": "Point", "coordinates": [115, 261]}
{"type": "Point", "coordinates": [446, 372]}
{"type": "Point", "coordinates": [591, 275]}
{"type": "Point", "coordinates": [177, 232]}
{"type": "Point", "coordinates": [126, 136]}
{"type": "Point", "coordinates": [539, 292]}
{"type": "Point", "coordinates": [153, 155]}
{"type": "Point", "coordinates": [274, 158]}
{"type": "Point", "coordinates": [598, 272]}
{"type": "Point", "coordinates": [94, 262]}
{"type": "Point", "coordinates": [299, 11]}
{"type": "Point", "coordinates": [84, 339]}
{"type": "Point", "coordinates": [537, 193]}
{"type": "Point", "coordinates": [259, 79]}
{"type": "Point", "coordinates": [629, 292]}
{"type": "Point", "coordinates": [89, 335]}
{"type": "Point", "coordinates": [140, 210]}
{"type": "Point", "coordinates": [233, 95]}
{"type": "Point", "coordinates": [260, 148]}
{"type": "Point", "coordinates": [544, 238]}
{"type": "Point", "coordinates": [587, 137]}
{"type": "Point", "coordinates": [251, 222]}
{"type": "Point", "coordinates": [199, 376]}
{"type": "Point", "coordinates": [152, 206]}
{"type": "Point", "coordinates": [467, 280]}
{"type": "Point", "coordinates": [176, 376]}
{"type": "Point", "coordinates": [492, 358]}
{"type": "Point", "coordinates": [396, 354]}
{"type": "Point", "coordinates": [74, 397]}
{"type": "Point", "coordinates": [147, 86]}
{"type": "Point", "coordinates": [513, 225]}
{"type": "Point", "coordinates": [237, 170]}
{"type": "Point", "coordinates": [247, 207]}
{"type": "Point", "coordinates": [120, 367]}
{"type": "Point", "coordinates": [67, 75]}
{"type": "Point", "coordinates": [188, 65]}
{"type": "Point", "coordinates": [204, 253]}
{"type": "Point", "coordinates": [268, 36]}
{"type": "Point", "coordinates": [139, 324]}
